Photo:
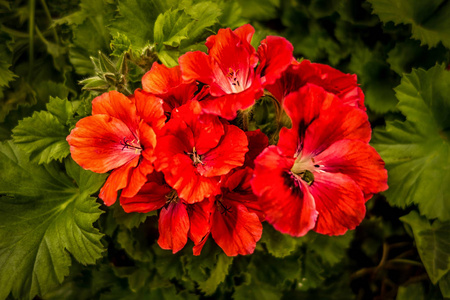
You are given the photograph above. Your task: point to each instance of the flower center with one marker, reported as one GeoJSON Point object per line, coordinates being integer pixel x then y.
{"type": "Point", "coordinates": [235, 80]}
{"type": "Point", "coordinates": [222, 208]}
{"type": "Point", "coordinates": [195, 157]}
{"type": "Point", "coordinates": [172, 196]}
{"type": "Point", "coordinates": [133, 145]}
{"type": "Point", "coordinates": [304, 168]}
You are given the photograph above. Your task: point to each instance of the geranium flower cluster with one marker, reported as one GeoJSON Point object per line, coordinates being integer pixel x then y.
{"type": "Point", "coordinates": [172, 146]}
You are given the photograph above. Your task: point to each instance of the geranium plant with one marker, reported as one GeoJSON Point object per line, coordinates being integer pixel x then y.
{"type": "Point", "coordinates": [223, 149]}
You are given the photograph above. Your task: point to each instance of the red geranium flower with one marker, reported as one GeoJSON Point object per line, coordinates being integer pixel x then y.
{"type": "Point", "coordinates": [167, 84]}
{"type": "Point", "coordinates": [178, 220]}
{"type": "Point", "coordinates": [229, 69]}
{"type": "Point", "coordinates": [195, 149]}
{"type": "Point", "coordinates": [333, 81]}
{"type": "Point", "coordinates": [236, 215]}
{"type": "Point", "coordinates": [236, 218]}
{"type": "Point", "coordinates": [119, 136]}
{"type": "Point", "coordinates": [322, 170]}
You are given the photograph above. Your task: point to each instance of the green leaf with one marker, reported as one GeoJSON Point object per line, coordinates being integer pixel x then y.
{"type": "Point", "coordinates": [171, 28]}
{"type": "Point", "coordinates": [312, 272]}
{"type": "Point", "coordinates": [140, 14]}
{"type": "Point", "coordinates": [429, 19]}
{"type": "Point", "coordinates": [409, 54]}
{"type": "Point", "coordinates": [136, 243]}
{"type": "Point", "coordinates": [43, 135]}
{"type": "Point", "coordinates": [259, 9]}
{"type": "Point", "coordinates": [432, 243]}
{"type": "Point", "coordinates": [278, 244]}
{"type": "Point", "coordinates": [168, 265]}
{"type": "Point", "coordinates": [96, 16]}
{"type": "Point", "coordinates": [417, 151]}
{"type": "Point", "coordinates": [120, 44]}
{"type": "Point", "coordinates": [46, 216]}
{"type": "Point", "coordinates": [6, 75]}
{"type": "Point", "coordinates": [411, 292]}
{"type": "Point", "coordinates": [444, 285]}
{"type": "Point", "coordinates": [130, 220]}
{"type": "Point", "coordinates": [208, 269]}
{"type": "Point", "coordinates": [332, 249]}
{"type": "Point", "coordinates": [60, 108]}
{"type": "Point", "coordinates": [255, 291]}
{"type": "Point", "coordinates": [205, 14]}
{"type": "Point", "coordinates": [376, 78]}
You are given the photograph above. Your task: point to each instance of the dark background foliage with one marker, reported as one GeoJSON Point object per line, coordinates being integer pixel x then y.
{"type": "Point", "coordinates": [57, 242]}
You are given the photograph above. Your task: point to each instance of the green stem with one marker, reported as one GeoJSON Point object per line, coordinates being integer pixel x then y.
{"type": "Point", "coordinates": [32, 4]}
{"type": "Point", "coordinates": [245, 114]}
{"type": "Point", "coordinates": [405, 261]}
{"type": "Point", "coordinates": [49, 16]}
{"type": "Point", "coordinates": [14, 32]}
{"type": "Point", "coordinates": [40, 35]}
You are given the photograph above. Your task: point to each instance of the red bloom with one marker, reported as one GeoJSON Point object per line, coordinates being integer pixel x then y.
{"type": "Point", "coordinates": [229, 69]}
{"type": "Point", "coordinates": [236, 216]}
{"type": "Point", "coordinates": [178, 220]}
{"type": "Point", "coordinates": [333, 81]}
{"type": "Point", "coordinates": [322, 170]}
{"type": "Point", "coordinates": [196, 149]}
{"type": "Point", "coordinates": [119, 136]}
{"type": "Point", "coordinates": [167, 84]}
{"type": "Point", "coordinates": [275, 55]}
{"type": "Point", "coordinates": [257, 142]}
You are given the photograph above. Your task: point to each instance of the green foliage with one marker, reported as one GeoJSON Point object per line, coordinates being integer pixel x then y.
{"type": "Point", "coordinates": [49, 215]}
{"type": "Point", "coordinates": [429, 19]}
{"type": "Point", "coordinates": [209, 269]}
{"type": "Point", "coordinates": [43, 136]}
{"type": "Point", "coordinates": [417, 151]}
{"type": "Point", "coordinates": [278, 244]}
{"type": "Point", "coordinates": [444, 285]}
{"type": "Point", "coordinates": [411, 292]}
{"type": "Point", "coordinates": [432, 243]}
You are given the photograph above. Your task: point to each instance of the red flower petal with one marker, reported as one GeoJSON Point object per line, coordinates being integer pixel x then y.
{"type": "Point", "coordinates": [161, 79]}
{"type": "Point", "coordinates": [289, 82]}
{"type": "Point", "coordinates": [344, 86]}
{"type": "Point", "coordinates": [227, 105]}
{"type": "Point", "coordinates": [334, 81]}
{"type": "Point", "coordinates": [198, 248]}
{"type": "Point", "coordinates": [305, 105]}
{"type": "Point", "coordinates": [339, 201]}
{"type": "Point", "coordinates": [116, 105]}
{"type": "Point", "coordinates": [245, 33]}
{"type": "Point", "coordinates": [199, 218]}
{"type": "Point", "coordinates": [117, 180]}
{"type": "Point", "coordinates": [196, 66]}
{"type": "Point", "coordinates": [230, 153]}
{"type": "Point", "coordinates": [285, 200]}
{"type": "Point", "coordinates": [236, 230]}
{"type": "Point", "coordinates": [357, 160]}
{"type": "Point", "coordinates": [319, 119]}
{"type": "Point", "coordinates": [145, 165]}
{"type": "Point", "coordinates": [149, 108]}
{"type": "Point", "coordinates": [338, 122]}
{"type": "Point", "coordinates": [207, 130]}
{"type": "Point", "coordinates": [231, 54]}
{"type": "Point", "coordinates": [236, 187]}
{"type": "Point", "coordinates": [168, 84]}
{"type": "Point", "coordinates": [151, 196]}
{"type": "Point", "coordinates": [180, 172]}
{"type": "Point", "coordinates": [275, 56]}
{"type": "Point", "coordinates": [96, 143]}
{"type": "Point", "coordinates": [257, 142]}
{"type": "Point", "coordinates": [173, 227]}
